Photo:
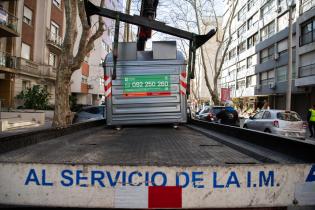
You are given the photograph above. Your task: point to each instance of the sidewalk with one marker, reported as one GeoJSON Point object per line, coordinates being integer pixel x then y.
{"type": "Point", "coordinates": [47, 124]}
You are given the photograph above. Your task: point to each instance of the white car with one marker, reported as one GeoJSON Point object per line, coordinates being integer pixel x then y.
{"type": "Point", "coordinates": [281, 122]}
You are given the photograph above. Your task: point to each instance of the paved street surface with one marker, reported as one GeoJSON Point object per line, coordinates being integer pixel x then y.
{"type": "Point", "coordinates": [145, 145]}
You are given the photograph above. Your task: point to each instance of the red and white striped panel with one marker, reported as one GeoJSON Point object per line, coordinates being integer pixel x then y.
{"type": "Point", "coordinates": [183, 82]}
{"type": "Point", "coordinates": [148, 197]}
{"type": "Point", "coordinates": [108, 86]}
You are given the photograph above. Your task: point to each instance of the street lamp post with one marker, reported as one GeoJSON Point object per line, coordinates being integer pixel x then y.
{"type": "Point", "coordinates": [289, 90]}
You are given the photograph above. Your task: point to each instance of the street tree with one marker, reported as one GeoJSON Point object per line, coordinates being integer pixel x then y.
{"type": "Point", "coordinates": [70, 59]}
{"type": "Point", "coordinates": [197, 17]}
{"type": "Point", "coordinates": [223, 41]}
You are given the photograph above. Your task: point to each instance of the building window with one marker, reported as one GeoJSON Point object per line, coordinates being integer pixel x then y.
{"type": "Point", "coordinates": [307, 32]}
{"type": "Point", "coordinates": [26, 51]}
{"type": "Point", "coordinates": [266, 54]}
{"type": "Point", "coordinates": [283, 21]}
{"type": "Point", "coordinates": [267, 77]}
{"type": "Point", "coordinates": [57, 3]}
{"type": "Point", "coordinates": [241, 47]}
{"type": "Point", "coordinates": [253, 21]}
{"type": "Point", "coordinates": [251, 3]}
{"type": "Point", "coordinates": [251, 81]}
{"type": "Point", "coordinates": [240, 84]}
{"type": "Point", "coordinates": [267, 31]}
{"type": "Point", "coordinates": [267, 8]}
{"type": "Point", "coordinates": [241, 66]}
{"type": "Point", "coordinates": [226, 57]}
{"type": "Point", "coordinates": [282, 46]}
{"type": "Point", "coordinates": [54, 29]}
{"type": "Point", "coordinates": [26, 84]}
{"type": "Point", "coordinates": [241, 30]}
{"type": "Point", "coordinates": [306, 5]}
{"type": "Point", "coordinates": [232, 53]}
{"type": "Point", "coordinates": [282, 73]}
{"type": "Point", "coordinates": [250, 61]}
{"type": "Point", "coordinates": [27, 15]}
{"type": "Point", "coordinates": [53, 59]}
{"type": "Point", "coordinates": [252, 41]}
{"type": "Point", "coordinates": [241, 14]}
{"type": "Point", "coordinates": [84, 80]}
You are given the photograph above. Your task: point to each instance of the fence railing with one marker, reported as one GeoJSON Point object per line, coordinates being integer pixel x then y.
{"type": "Point", "coordinates": [54, 38]}
{"type": "Point", "coordinates": [6, 60]}
{"type": "Point", "coordinates": [306, 71]}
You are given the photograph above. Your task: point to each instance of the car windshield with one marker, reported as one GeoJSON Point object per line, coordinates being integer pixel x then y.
{"type": "Point", "coordinates": [288, 116]}
{"type": "Point", "coordinates": [216, 110]}
{"type": "Point", "coordinates": [204, 110]}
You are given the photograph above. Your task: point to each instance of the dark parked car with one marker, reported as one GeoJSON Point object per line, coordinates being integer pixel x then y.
{"type": "Point", "coordinates": [208, 113]}
{"type": "Point", "coordinates": [89, 113]}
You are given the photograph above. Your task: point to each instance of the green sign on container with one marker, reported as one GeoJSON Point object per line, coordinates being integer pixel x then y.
{"type": "Point", "coordinates": [146, 83]}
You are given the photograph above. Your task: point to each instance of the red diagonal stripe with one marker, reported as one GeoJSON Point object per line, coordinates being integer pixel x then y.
{"type": "Point", "coordinates": [106, 77]}
{"type": "Point", "coordinates": [184, 74]}
{"type": "Point", "coordinates": [165, 197]}
{"type": "Point", "coordinates": [108, 86]}
{"type": "Point", "coordinates": [183, 84]}
{"type": "Point", "coordinates": [182, 92]}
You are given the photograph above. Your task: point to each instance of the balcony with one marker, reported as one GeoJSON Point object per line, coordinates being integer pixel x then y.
{"type": "Point", "coordinates": [54, 41]}
{"type": "Point", "coordinates": [306, 71]}
{"type": "Point", "coordinates": [48, 72]}
{"type": "Point", "coordinates": [306, 76]}
{"type": "Point", "coordinates": [307, 38]}
{"type": "Point", "coordinates": [30, 68]}
{"type": "Point", "coordinates": [27, 67]}
{"type": "Point", "coordinates": [307, 5]}
{"type": "Point", "coordinates": [7, 62]}
{"type": "Point", "coordinates": [8, 24]}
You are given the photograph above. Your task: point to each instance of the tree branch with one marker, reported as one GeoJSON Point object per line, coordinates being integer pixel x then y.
{"type": "Point", "coordinates": [85, 44]}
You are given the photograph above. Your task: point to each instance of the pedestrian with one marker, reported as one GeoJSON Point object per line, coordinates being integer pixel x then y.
{"type": "Point", "coordinates": [228, 115]}
{"type": "Point", "coordinates": [311, 120]}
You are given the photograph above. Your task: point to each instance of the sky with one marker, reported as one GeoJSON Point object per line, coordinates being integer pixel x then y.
{"type": "Point", "coordinates": [168, 12]}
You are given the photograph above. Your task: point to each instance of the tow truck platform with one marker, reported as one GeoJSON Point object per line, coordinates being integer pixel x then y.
{"type": "Point", "coordinates": [153, 166]}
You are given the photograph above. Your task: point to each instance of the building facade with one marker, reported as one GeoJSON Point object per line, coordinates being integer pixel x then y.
{"type": "Point", "coordinates": [31, 37]}
{"type": "Point", "coordinates": [210, 49]}
{"type": "Point", "coordinates": [256, 65]}
{"type": "Point", "coordinates": [87, 83]}
{"type": "Point", "coordinates": [30, 56]}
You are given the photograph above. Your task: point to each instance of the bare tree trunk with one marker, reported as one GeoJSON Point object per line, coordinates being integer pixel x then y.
{"type": "Point", "coordinates": [70, 63]}
{"type": "Point", "coordinates": [127, 26]}
{"type": "Point", "coordinates": [62, 107]}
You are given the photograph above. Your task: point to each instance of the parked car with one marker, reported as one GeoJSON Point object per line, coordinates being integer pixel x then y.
{"type": "Point", "coordinates": [281, 122]}
{"type": "Point", "coordinates": [90, 113]}
{"type": "Point", "coordinates": [208, 113]}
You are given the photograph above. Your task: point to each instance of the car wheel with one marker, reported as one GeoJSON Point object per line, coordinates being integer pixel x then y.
{"type": "Point", "coordinates": [267, 130]}
{"type": "Point", "coordinates": [245, 126]}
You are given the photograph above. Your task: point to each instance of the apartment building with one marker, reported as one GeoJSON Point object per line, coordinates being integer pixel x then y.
{"type": "Point", "coordinates": [305, 51]}
{"type": "Point", "coordinates": [31, 36]}
{"type": "Point", "coordinates": [8, 33]}
{"type": "Point", "coordinates": [210, 49]}
{"type": "Point", "coordinates": [87, 83]}
{"type": "Point", "coordinates": [30, 47]}
{"type": "Point", "coordinates": [255, 67]}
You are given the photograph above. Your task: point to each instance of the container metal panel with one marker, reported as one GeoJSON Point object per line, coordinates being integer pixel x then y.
{"type": "Point", "coordinates": [118, 99]}
{"type": "Point", "coordinates": [123, 110]}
